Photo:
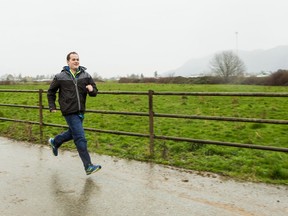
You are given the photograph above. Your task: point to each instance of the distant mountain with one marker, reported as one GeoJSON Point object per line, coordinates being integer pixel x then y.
{"type": "Point", "coordinates": [256, 62]}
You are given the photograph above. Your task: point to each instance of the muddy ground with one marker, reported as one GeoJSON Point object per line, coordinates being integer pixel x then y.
{"type": "Point", "coordinates": [34, 182]}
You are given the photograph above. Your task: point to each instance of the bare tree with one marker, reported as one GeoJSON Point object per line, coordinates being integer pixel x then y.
{"type": "Point", "coordinates": [96, 76]}
{"type": "Point", "coordinates": [155, 74]}
{"type": "Point", "coordinates": [227, 64]}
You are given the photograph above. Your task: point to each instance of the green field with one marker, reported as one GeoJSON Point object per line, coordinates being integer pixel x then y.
{"type": "Point", "coordinates": [242, 164]}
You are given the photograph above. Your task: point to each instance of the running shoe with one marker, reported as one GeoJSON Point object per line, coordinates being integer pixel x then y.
{"type": "Point", "coordinates": [92, 168]}
{"type": "Point", "coordinates": [54, 149]}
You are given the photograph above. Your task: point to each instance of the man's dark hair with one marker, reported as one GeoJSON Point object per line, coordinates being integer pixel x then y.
{"type": "Point", "coordinates": [71, 53]}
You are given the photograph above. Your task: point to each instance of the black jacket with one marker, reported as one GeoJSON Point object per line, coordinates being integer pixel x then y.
{"type": "Point", "coordinates": [72, 91]}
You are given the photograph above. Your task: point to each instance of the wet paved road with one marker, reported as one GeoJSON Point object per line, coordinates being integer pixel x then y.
{"type": "Point", "coordinates": [34, 182]}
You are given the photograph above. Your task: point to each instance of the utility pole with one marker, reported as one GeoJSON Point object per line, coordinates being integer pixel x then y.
{"type": "Point", "coordinates": [236, 33]}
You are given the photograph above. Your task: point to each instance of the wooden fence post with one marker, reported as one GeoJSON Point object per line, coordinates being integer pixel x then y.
{"type": "Point", "coordinates": [151, 122]}
{"type": "Point", "coordinates": [41, 115]}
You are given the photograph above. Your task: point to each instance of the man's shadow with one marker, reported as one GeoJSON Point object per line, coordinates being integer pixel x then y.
{"type": "Point", "coordinates": [69, 200]}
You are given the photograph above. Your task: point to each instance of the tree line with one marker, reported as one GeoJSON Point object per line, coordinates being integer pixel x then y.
{"type": "Point", "coordinates": [226, 68]}
{"type": "Point", "coordinates": [278, 78]}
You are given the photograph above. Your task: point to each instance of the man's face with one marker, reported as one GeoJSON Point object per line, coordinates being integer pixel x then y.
{"type": "Point", "coordinates": [73, 62]}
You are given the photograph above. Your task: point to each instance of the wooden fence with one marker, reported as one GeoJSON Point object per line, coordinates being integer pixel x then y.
{"type": "Point", "coordinates": [152, 115]}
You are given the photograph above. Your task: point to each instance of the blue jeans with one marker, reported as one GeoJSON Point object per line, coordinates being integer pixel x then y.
{"type": "Point", "coordinates": [75, 132]}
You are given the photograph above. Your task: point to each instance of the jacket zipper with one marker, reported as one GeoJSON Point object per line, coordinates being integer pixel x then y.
{"type": "Point", "coordinates": [77, 92]}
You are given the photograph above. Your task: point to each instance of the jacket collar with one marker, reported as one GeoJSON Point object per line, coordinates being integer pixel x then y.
{"type": "Point", "coordinates": [81, 68]}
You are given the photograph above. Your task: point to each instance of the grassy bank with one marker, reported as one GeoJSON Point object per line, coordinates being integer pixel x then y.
{"type": "Point", "coordinates": [244, 164]}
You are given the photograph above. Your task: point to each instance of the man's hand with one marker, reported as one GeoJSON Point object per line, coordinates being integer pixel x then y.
{"type": "Point", "coordinates": [53, 111]}
{"type": "Point", "coordinates": [89, 88]}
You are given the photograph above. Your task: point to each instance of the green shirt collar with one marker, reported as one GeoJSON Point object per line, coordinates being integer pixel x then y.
{"type": "Point", "coordinates": [77, 72]}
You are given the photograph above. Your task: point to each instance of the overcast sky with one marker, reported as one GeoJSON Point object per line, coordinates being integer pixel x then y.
{"type": "Point", "coordinates": [123, 37]}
